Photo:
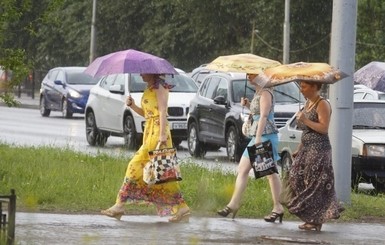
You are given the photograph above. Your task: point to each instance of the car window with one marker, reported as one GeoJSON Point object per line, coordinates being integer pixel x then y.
{"type": "Point", "coordinates": [239, 90]}
{"type": "Point", "coordinates": [52, 74]}
{"type": "Point", "coordinates": [381, 96]}
{"type": "Point", "coordinates": [221, 89]}
{"type": "Point", "coordinates": [137, 85]}
{"type": "Point", "coordinates": [369, 96]}
{"type": "Point", "coordinates": [182, 83]}
{"type": "Point", "coordinates": [76, 77]}
{"type": "Point", "coordinates": [358, 95]}
{"type": "Point", "coordinates": [370, 115]}
{"type": "Point", "coordinates": [288, 93]}
{"type": "Point", "coordinates": [60, 76]}
{"type": "Point", "coordinates": [107, 81]}
{"type": "Point", "coordinates": [210, 87]}
{"type": "Point", "coordinates": [120, 80]}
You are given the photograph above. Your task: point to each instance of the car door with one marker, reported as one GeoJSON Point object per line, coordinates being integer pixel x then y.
{"type": "Point", "coordinates": [218, 111]}
{"type": "Point", "coordinates": [101, 106]}
{"type": "Point", "coordinates": [50, 88]}
{"type": "Point", "coordinates": [203, 108]}
{"type": "Point", "coordinates": [116, 104]}
{"type": "Point", "coordinates": [59, 90]}
{"type": "Point", "coordinates": [289, 136]}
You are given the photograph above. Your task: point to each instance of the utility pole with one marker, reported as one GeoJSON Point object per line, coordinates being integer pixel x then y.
{"type": "Point", "coordinates": [92, 40]}
{"type": "Point", "coordinates": [286, 33]}
{"type": "Point", "coordinates": [342, 56]}
{"type": "Point", "coordinates": [252, 38]}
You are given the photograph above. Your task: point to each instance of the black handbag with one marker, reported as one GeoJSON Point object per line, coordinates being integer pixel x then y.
{"type": "Point", "coordinates": [262, 160]}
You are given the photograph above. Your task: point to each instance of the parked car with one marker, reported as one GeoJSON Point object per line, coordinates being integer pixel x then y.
{"type": "Point", "coordinates": [65, 89]}
{"type": "Point", "coordinates": [368, 142]}
{"type": "Point", "coordinates": [368, 94]}
{"type": "Point", "coordinates": [199, 74]}
{"type": "Point", "coordinates": [107, 113]}
{"type": "Point", "coordinates": [216, 115]}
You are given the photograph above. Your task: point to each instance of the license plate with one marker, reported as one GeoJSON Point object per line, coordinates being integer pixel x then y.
{"type": "Point", "coordinates": [179, 125]}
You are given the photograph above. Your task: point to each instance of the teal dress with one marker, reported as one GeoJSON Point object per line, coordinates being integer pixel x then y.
{"type": "Point", "coordinates": [270, 132]}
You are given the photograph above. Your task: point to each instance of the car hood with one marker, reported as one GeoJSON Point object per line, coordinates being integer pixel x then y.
{"type": "Point", "coordinates": [81, 87]}
{"type": "Point", "coordinates": [180, 99]}
{"type": "Point", "coordinates": [369, 136]}
{"type": "Point", "coordinates": [288, 107]}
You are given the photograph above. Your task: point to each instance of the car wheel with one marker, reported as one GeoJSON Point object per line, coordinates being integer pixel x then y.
{"type": "Point", "coordinates": [65, 111]}
{"type": "Point", "coordinates": [233, 144]}
{"type": "Point", "coordinates": [130, 135]}
{"type": "Point", "coordinates": [92, 132]}
{"type": "Point", "coordinates": [286, 163]}
{"type": "Point", "coordinates": [43, 109]}
{"type": "Point", "coordinates": [194, 145]}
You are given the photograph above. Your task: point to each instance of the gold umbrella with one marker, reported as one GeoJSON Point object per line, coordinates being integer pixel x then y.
{"type": "Point", "coordinates": [244, 63]}
{"type": "Point", "coordinates": [300, 71]}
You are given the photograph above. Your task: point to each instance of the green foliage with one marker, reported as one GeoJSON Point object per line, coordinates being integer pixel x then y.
{"type": "Point", "coordinates": [187, 32]}
{"type": "Point", "coordinates": [60, 180]}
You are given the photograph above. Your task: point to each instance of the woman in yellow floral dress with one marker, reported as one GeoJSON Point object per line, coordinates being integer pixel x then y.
{"type": "Point", "coordinates": [166, 197]}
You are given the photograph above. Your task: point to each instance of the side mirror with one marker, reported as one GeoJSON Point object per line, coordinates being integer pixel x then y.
{"type": "Point", "coordinates": [220, 100]}
{"type": "Point", "coordinates": [59, 82]}
{"type": "Point", "coordinates": [117, 89]}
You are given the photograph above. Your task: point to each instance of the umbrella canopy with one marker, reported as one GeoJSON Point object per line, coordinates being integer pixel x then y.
{"type": "Point", "coordinates": [129, 61]}
{"type": "Point", "coordinates": [372, 75]}
{"type": "Point", "coordinates": [245, 63]}
{"type": "Point", "coordinates": [300, 71]}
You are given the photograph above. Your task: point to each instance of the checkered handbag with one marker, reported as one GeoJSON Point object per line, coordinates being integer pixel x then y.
{"type": "Point", "coordinates": [163, 167]}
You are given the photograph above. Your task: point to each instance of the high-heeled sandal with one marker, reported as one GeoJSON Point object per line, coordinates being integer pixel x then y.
{"type": "Point", "coordinates": [309, 227]}
{"type": "Point", "coordinates": [273, 216]}
{"type": "Point", "coordinates": [226, 211]}
{"type": "Point", "coordinates": [180, 217]}
{"type": "Point", "coordinates": [113, 213]}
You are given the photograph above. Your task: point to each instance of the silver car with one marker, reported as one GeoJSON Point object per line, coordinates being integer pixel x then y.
{"type": "Point", "coordinates": [368, 143]}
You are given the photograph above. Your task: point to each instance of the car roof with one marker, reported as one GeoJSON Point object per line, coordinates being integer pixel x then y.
{"type": "Point", "coordinates": [71, 68]}
{"type": "Point", "coordinates": [368, 90]}
{"type": "Point", "coordinates": [232, 75]}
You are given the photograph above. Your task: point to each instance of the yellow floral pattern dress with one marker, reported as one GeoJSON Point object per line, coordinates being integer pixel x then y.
{"type": "Point", "coordinates": [166, 197]}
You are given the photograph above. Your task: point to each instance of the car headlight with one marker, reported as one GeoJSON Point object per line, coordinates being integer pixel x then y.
{"type": "Point", "coordinates": [374, 150]}
{"type": "Point", "coordinates": [74, 93]}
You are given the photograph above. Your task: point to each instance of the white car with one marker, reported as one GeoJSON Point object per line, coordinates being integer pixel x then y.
{"type": "Point", "coordinates": [368, 94]}
{"type": "Point", "coordinates": [106, 112]}
{"type": "Point", "coordinates": [368, 143]}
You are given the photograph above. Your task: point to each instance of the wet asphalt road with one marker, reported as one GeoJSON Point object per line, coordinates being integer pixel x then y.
{"type": "Point", "coordinates": [38, 228]}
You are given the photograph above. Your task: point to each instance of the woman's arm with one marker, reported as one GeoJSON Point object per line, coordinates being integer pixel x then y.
{"type": "Point", "coordinates": [162, 97]}
{"type": "Point", "coordinates": [131, 103]}
{"type": "Point", "coordinates": [265, 104]}
{"type": "Point", "coordinates": [324, 113]}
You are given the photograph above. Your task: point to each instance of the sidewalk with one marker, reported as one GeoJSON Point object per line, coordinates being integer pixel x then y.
{"type": "Point", "coordinates": [26, 101]}
{"type": "Point", "coordinates": [40, 228]}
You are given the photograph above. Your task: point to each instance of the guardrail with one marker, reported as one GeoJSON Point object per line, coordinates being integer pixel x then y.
{"type": "Point", "coordinates": [7, 218]}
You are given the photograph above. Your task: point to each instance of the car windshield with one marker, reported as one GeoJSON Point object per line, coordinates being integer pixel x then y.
{"type": "Point", "coordinates": [284, 94]}
{"type": "Point", "coordinates": [182, 84]}
{"type": "Point", "coordinates": [80, 78]}
{"type": "Point", "coordinates": [368, 115]}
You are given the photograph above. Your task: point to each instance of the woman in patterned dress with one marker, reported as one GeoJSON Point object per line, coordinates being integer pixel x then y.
{"type": "Point", "coordinates": [311, 175]}
{"type": "Point", "coordinates": [167, 197]}
{"type": "Point", "coordinates": [262, 109]}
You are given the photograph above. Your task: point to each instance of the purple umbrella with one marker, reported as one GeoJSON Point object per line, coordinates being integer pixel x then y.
{"type": "Point", "coordinates": [129, 61]}
{"type": "Point", "coordinates": [372, 75]}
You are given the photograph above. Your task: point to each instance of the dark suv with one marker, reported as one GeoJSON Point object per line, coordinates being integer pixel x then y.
{"type": "Point", "coordinates": [216, 115]}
